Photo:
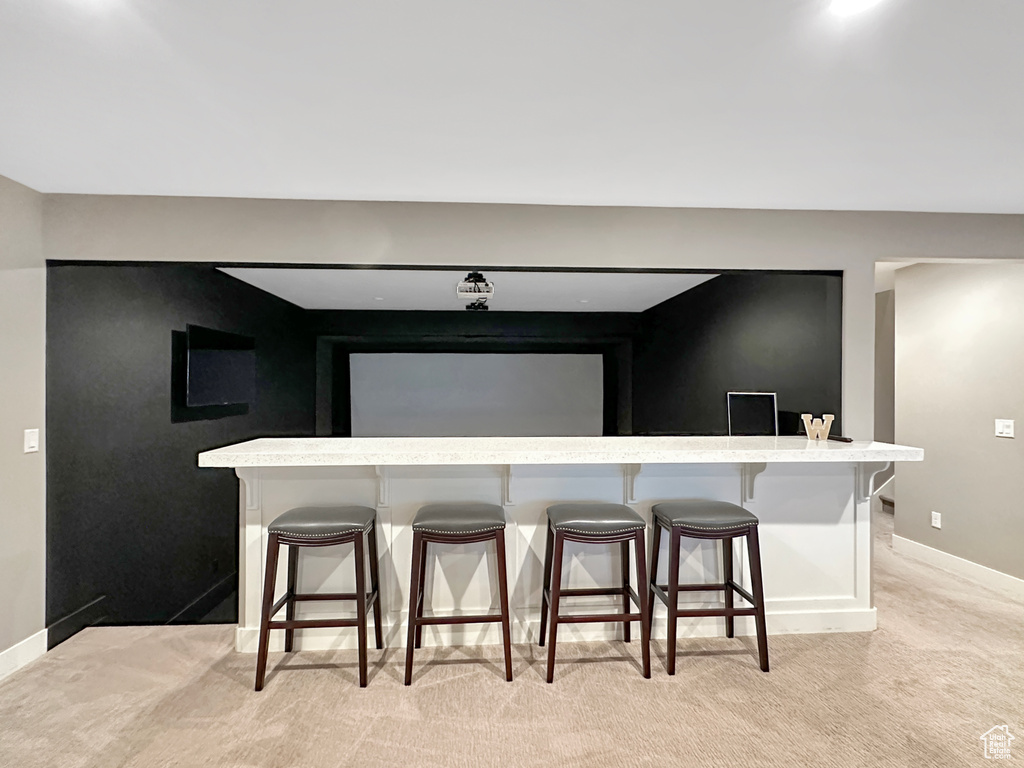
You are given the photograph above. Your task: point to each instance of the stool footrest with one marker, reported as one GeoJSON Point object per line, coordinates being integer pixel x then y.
{"type": "Point", "coordinates": [433, 620]}
{"type": "Point", "coordinates": [662, 591]}
{"type": "Point", "coordinates": [599, 592]}
{"type": "Point", "coordinates": [338, 596]}
{"type": "Point", "coordinates": [370, 598]}
{"type": "Point", "coordinates": [702, 612]}
{"type": "Point", "coordinates": [693, 587]}
{"type": "Point", "coordinates": [595, 591]}
{"type": "Point", "coordinates": [312, 623]}
{"type": "Point", "coordinates": [588, 618]}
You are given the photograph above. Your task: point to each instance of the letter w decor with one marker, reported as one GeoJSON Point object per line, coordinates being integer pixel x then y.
{"type": "Point", "coordinates": [817, 429]}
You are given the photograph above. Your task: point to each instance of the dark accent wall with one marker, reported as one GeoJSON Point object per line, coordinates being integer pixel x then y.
{"type": "Point", "coordinates": [771, 332]}
{"type": "Point", "coordinates": [136, 532]}
{"type": "Point", "coordinates": [341, 333]}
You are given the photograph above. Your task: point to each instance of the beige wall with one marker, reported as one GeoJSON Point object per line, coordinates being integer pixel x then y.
{"type": "Point", "coordinates": [215, 229]}
{"type": "Point", "coordinates": [218, 229]}
{"type": "Point", "coordinates": [885, 366]}
{"type": "Point", "coordinates": [22, 382]}
{"type": "Point", "coordinates": [960, 366]}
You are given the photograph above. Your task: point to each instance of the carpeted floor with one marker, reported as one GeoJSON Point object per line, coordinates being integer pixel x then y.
{"type": "Point", "coordinates": [946, 665]}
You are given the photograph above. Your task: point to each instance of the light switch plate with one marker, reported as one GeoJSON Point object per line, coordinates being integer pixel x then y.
{"type": "Point", "coordinates": [1004, 427]}
{"type": "Point", "coordinates": [31, 440]}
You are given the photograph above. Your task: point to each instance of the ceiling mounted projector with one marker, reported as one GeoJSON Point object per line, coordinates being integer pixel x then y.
{"type": "Point", "coordinates": [477, 290]}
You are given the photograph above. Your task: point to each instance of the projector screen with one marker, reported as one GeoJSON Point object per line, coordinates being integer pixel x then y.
{"type": "Point", "coordinates": [466, 395]}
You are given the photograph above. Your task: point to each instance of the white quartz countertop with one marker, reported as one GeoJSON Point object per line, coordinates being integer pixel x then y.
{"type": "Point", "coordinates": [410, 451]}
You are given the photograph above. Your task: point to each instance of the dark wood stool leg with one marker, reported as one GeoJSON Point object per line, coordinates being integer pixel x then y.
{"type": "Point", "coordinates": [293, 570]}
{"type": "Point", "coordinates": [641, 579]}
{"type": "Point", "coordinates": [556, 589]}
{"type": "Point", "coordinates": [361, 607]}
{"type": "Point", "coordinates": [655, 551]}
{"type": "Point", "coordinates": [268, 602]}
{"type": "Point", "coordinates": [727, 578]}
{"type": "Point", "coordinates": [757, 589]}
{"type": "Point", "coordinates": [549, 550]}
{"type": "Point", "coordinates": [414, 591]}
{"type": "Point", "coordinates": [673, 597]}
{"type": "Point", "coordinates": [378, 624]}
{"type": "Point", "coordinates": [506, 623]}
{"type": "Point", "coordinates": [626, 600]}
{"type": "Point", "coordinates": [422, 598]}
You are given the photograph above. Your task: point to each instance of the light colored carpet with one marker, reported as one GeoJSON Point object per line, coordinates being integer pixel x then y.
{"type": "Point", "coordinates": [946, 665]}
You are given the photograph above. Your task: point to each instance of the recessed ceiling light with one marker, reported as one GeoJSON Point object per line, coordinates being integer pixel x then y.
{"type": "Point", "coordinates": [584, 301]}
{"type": "Point", "coordinates": [378, 298]}
{"type": "Point", "coordinates": [851, 7]}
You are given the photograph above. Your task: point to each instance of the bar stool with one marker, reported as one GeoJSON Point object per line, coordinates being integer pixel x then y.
{"type": "Point", "coordinates": [455, 523]}
{"type": "Point", "coordinates": [595, 523]}
{"type": "Point", "coordinates": [320, 527]}
{"type": "Point", "coordinates": [704, 519]}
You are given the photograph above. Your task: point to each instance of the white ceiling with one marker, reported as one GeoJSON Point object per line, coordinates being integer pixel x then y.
{"type": "Point", "coordinates": [435, 289]}
{"type": "Point", "coordinates": [912, 105]}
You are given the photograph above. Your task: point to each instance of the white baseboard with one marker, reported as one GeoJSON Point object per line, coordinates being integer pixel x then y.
{"type": "Point", "coordinates": [20, 654]}
{"type": "Point", "coordinates": [820, 622]}
{"type": "Point", "coordinates": [987, 577]}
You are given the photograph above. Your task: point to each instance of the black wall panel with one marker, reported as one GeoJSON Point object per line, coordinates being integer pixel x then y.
{"type": "Point", "coordinates": [135, 530]}
{"type": "Point", "coordinates": [770, 332]}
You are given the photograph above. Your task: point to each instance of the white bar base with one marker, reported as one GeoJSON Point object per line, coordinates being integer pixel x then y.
{"type": "Point", "coordinates": [986, 577]}
{"type": "Point", "coordinates": [814, 530]}
{"type": "Point", "coordinates": [20, 654]}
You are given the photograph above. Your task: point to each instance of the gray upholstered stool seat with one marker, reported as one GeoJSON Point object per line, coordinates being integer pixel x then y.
{"type": "Point", "coordinates": [594, 518]}
{"type": "Point", "coordinates": [322, 522]}
{"type": "Point", "coordinates": [459, 518]}
{"type": "Point", "coordinates": [702, 514]}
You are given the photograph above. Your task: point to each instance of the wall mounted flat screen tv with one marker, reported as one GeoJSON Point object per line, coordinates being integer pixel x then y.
{"type": "Point", "coordinates": [221, 367]}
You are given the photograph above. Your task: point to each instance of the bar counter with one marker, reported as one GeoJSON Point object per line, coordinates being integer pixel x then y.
{"type": "Point", "coordinates": [812, 499]}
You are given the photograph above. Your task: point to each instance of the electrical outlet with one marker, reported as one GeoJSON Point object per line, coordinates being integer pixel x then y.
{"type": "Point", "coordinates": [1004, 427]}
{"type": "Point", "coordinates": [936, 519]}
